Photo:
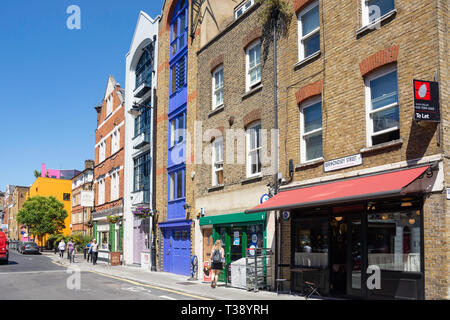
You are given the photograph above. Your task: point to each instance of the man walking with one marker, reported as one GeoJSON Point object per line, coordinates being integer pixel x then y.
{"type": "Point", "coordinates": [94, 251]}
{"type": "Point", "coordinates": [71, 250]}
{"type": "Point", "coordinates": [89, 251]}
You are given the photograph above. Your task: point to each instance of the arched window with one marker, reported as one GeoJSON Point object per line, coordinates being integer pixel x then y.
{"type": "Point", "coordinates": [179, 27]}
{"type": "Point", "coordinates": [144, 67]}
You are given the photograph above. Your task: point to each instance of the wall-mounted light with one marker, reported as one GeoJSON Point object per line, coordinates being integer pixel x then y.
{"type": "Point", "coordinates": [406, 204]}
{"type": "Point", "coordinates": [338, 219]}
{"type": "Point", "coordinates": [412, 221]}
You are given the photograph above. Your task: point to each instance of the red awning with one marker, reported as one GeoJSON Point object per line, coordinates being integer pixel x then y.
{"type": "Point", "coordinates": [354, 189]}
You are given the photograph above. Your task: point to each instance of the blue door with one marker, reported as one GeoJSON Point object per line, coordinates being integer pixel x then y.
{"type": "Point", "coordinates": [177, 251]}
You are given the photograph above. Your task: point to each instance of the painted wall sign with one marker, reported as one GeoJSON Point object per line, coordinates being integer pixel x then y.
{"type": "Point", "coordinates": [350, 161]}
{"type": "Point", "coordinates": [426, 101]}
{"type": "Point", "coordinates": [87, 198]}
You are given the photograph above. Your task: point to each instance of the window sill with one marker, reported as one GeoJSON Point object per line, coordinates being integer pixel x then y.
{"type": "Point", "coordinates": [252, 91]}
{"type": "Point", "coordinates": [249, 180]}
{"type": "Point", "coordinates": [382, 146]}
{"type": "Point", "coordinates": [373, 26]}
{"type": "Point", "coordinates": [216, 111]}
{"type": "Point", "coordinates": [307, 60]}
{"type": "Point", "coordinates": [216, 188]}
{"type": "Point", "coordinates": [306, 165]}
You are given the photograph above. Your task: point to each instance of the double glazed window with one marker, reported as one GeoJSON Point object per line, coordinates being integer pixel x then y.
{"type": "Point", "coordinates": [176, 185]}
{"type": "Point", "coordinates": [177, 129]}
{"type": "Point", "coordinates": [309, 31]}
{"type": "Point", "coordinates": [115, 141]}
{"type": "Point", "coordinates": [383, 119]}
{"type": "Point", "coordinates": [217, 163]}
{"type": "Point", "coordinates": [178, 75]}
{"type": "Point", "coordinates": [253, 65]}
{"type": "Point", "coordinates": [101, 152]}
{"type": "Point", "coordinates": [109, 105]}
{"type": "Point", "coordinates": [142, 172]}
{"type": "Point", "coordinates": [218, 87]}
{"type": "Point", "coordinates": [311, 130]}
{"type": "Point", "coordinates": [239, 11]}
{"type": "Point", "coordinates": [145, 67]}
{"type": "Point", "coordinates": [101, 191]}
{"type": "Point", "coordinates": [373, 10]}
{"type": "Point", "coordinates": [254, 150]}
{"type": "Point", "coordinates": [142, 122]}
{"type": "Point", "coordinates": [179, 27]}
{"type": "Point", "coordinates": [115, 186]}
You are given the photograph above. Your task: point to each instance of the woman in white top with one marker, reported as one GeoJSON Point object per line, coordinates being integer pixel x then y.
{"type": "Point", "coordinates": [61, 248]}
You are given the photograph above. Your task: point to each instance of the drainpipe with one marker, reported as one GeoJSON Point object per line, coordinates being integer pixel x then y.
{"type": "Point", "coordinates": [275, 14]}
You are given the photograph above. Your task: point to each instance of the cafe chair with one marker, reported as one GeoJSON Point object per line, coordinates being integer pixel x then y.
{"type": "Point", "coordinates": [312, 289]}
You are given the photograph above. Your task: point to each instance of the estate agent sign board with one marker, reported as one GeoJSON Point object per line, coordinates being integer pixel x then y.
{"type": "Point", "coordinates": [426, 101]}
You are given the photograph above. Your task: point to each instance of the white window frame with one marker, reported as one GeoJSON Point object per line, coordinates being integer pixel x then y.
{"type": "Point", "coordinates": [244, 6]}
{"type": "Point", "coordinates": [101, 152]}
{"type": "Point", "coordinates": [215, 90]}
{"type": "Point", "coordinates": [365, 13]}
{"type": "Point", "coordinates": [249, 151]}
{"type": "Point", "coordinates": [369, 112]}
{"type": "Point", "coordinates": [301, 38]}
{"type": "Point", "coordinates": [101, 191]}
{"type": "Point", "coordinates": [303, 135]}
{"type": "Point", "coordinates": [115, 141]}
{"type": "Point", "coordinates": [109, 106]}
{"type": "Point", "coordinates": [114, 186]}
{"type": "Point", "coordinates": [250, 85]}
{"type": "Point", "coordinates": [217, 164]}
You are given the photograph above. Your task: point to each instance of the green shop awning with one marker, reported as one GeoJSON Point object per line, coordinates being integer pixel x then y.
{"type": "Point", "coordinates": [241, 217]}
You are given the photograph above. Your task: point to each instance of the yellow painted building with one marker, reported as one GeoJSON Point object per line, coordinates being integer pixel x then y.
{"type": "Point", "coordinates": [60, 189]}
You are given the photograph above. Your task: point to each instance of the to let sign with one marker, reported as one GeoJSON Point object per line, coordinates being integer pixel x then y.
{"type": "Point", "coordinates": [426, 101]}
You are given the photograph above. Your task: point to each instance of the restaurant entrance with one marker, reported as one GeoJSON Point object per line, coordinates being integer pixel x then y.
{"type": "Point", "coordinates": [346, 255]}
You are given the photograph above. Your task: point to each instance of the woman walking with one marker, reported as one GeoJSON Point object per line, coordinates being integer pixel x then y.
{"type": "Point", "coordinates": [72, 250]}
{"type": "Point", "coordinates": [217, 260]}
{"type": "Point", "coordinates": [61, 248]}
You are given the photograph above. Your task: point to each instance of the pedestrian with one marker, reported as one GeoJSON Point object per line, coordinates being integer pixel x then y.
{"type": "Point", "coordinates": [61, 248]}
{"type": "Point", "coordinates": [217, 260]}
{"type": "Point", "coordinates": [94, 251]}
{"type": "Point", "coordinates": [71, 250]}
{"type": "Point", "coordinates": [86, 249]}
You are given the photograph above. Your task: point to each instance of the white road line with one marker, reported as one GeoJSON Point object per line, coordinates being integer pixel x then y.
{"type": "Point", "coordinates": [166, 297]}
{"type": "Point", "coordinates": [31, 272]}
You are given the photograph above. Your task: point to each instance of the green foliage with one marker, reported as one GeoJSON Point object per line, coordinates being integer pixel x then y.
{"type": "Point", "coordinates": [275, 12]}
{"type": "Point", "coordinates": [37, 174]}
{"type": "Point", "coordinates": [42, 215]}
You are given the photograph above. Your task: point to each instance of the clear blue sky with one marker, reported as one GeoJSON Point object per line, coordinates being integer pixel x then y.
{"type": "Point", "coordinates": [51, 78]}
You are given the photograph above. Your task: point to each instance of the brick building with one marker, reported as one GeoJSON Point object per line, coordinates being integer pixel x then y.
{"type": "Point", "coordinates": [108, 171]}
{"type": "Point", "coordinates": [236, 114]}
{"type": "Point", "coordinates": [367, 187]}
{"type": "Point", "coordinates": [19, 195]}
{"type": "Point", "coordinates": [82, 212]}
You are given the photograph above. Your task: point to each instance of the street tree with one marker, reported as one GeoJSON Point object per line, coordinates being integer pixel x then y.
{"type": "Point", "coordinates": [42, 215]}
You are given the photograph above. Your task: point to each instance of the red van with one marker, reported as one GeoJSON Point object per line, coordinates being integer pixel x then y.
{"type": "Point", "coordinates": [4, 254]}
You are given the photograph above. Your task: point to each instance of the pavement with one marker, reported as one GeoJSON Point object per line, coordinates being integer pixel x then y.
{"type": "Point", "coordinates": [195, 289]}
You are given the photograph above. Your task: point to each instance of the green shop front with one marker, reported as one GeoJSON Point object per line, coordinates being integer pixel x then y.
{"type": "Point", "coordinates": [239, 233]}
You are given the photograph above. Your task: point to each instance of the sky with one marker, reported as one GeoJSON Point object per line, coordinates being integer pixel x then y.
{"type": "Point", "coordinates": [51, 78]}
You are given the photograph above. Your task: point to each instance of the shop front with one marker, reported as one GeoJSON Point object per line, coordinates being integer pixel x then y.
{"type": "Point", "coordinates": [356, 238]}
{"type": "Point", "coordinates": [238, 233]}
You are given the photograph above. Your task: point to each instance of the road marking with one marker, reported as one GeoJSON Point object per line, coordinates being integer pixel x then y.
{"type": "Point", "coordinates": [142, 284]}
{"type": "Point", "coordinates": [166, 297]}
{"type": "Point", "coordinates": [31, 272]}
{"type": "Point", "coordinates": [150, 286]}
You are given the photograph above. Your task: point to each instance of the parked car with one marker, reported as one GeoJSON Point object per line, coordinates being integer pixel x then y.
{"type": "Point", "coordinates": [29, 247]}
{"type": "Point", "coordinates": [4, 252]}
